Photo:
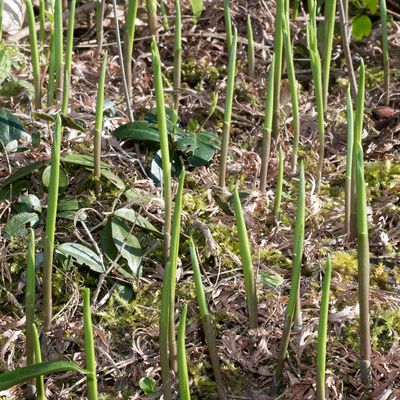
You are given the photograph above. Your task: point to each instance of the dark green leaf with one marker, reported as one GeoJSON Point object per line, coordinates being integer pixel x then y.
{"type": "Point", "coordinates": [132, 216]}
{"type": "Point", "coordinates": [12, 190]}
{"type": "Point", "coordinates": [139, 131]}
{"type": "Point", "coordinates": [11, 129]}
{"type": "Point", "coordinates": [201, 145]}
{"type": "Point", "coordinates": [16, 225]}
{"type": "Point", "coordinates": [82, 255]}
{"type": "Point", "coordinates": [29, 203]}
{"type": "Point", "coordinates": [127, 245]}
{"type": "Point", "coordinates": [271, 280]}
{"type": "Point", "coordinates": [106, 242]}
{"type": "Point", "coordinates": [21, 375]}
{"type": "Point", "coordinates": [22, 172]}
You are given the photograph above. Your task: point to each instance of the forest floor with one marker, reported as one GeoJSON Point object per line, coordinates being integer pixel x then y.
{"type": "Point", "coordinates": [126, 313]}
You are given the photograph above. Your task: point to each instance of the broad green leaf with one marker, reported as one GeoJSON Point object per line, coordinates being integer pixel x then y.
{"type": "Point", "coordinates": [63, 180]}
{"type": "Point", "coordinates": [125, 292]}
{"type": "Point", "coordinates": [156, 167]}
{"type": "Point", "coordinates": [11, 129]}
{"type": "Point", "coordinates": [22, 172]}
{"type": "Point", "coordinates": [139, 131]}
{"type": "Point", "coordinates": [135, 218]}
{"type": "Point", "coordinates": [66, 120]}
{"type": "Point", "coordinates": [82, 255]}
{"type": "Point", "coordinates": [106, 242]}
{"type": "Point", "coordinates": [201, 145]}
{"type": "Point", "coordinates": [372, 5]}
{"type": "Point", "coordinates": [271, 280]}
{"type": "Point", "coordinates": [10, 191]}
{"type": "Point", "coordinates": [21, 375]}
{"type": "Point", "coordinates": [148, 385]}
{"type": "Point", "coordinates": [5, 64]}
{"type": "Point", "coordinates": [17, 87]}
{"type": "Point", "coordinates": [362, 27]}
{"type": "Point", "coordinates": [127, 245]}
{"type": "Point", "coordinates": [29, 203]}
{"type": "Point", "coordinates": [197, 7]}
{"type": "Point", "coordinates": [16, 225]}
{"type": "Point", "coordinates": [68, 204]}
{"type": "Point", "coordinates": [138, 197]}
{"type": "Point", "coordinates": [87, 162]}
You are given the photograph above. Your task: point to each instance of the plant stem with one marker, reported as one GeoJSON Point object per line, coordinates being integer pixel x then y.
{"type": "Point", "coordinates": [99, 125]}
{"type": "Point", "coordinates": [250, 48]}
{"type": "Point", "coordinates": [208, 328]}
{"type": "Point", "coordinates": [51, 226]}
{"type": "Point", "coordinates": [279, 184]}
{"type": "Point", "coordinates": [349, 157]}
{"type": "Point", "coordinates": [358, 127]}
{"type": "Point", "coordinates": [295, 281]}
{"type": "Point", "coordinates": [267, 126]}
{"type": "Point", "coordinates": [173, 260]}
{"type": "Point", "coordinates": [346, 48]}
{"type": "Point", "coordinates": [177, 55]}
{"type": "Point", "coordinates": [152, 17]}
{"type": "Point", "coordinates": [385, 51]}
{"type": "Point", "coordinates": [68, 57]}
{"type": "Point", "coordinates": [42, 21]}
{"type": "Point", "coordinates": [90, 357]}
{"type": "Point", "coordinates": [322, 332]}
{"type": "Point", "coordinates": [164, 332]}
{"type": "Point", "coordinates": [293, 90]}
{"type": "Point", "coordinates": [34, 53]}
{"type": "Point", "coordinates": [363, 271]}
{"type": "Point", "coordinates": [183, 377]}
{"type": "Point", "coordinates": [316, 73]}
{"type": "Point", "coordinates": [278, 52]}
{"type": "Point", "coordinates": [245, 254]}
{"type": "Point", "coordinates": [100, 5]}
{"type": "Point", "coordinates": [52, 66]}
{"type": "Point", "coordinates": [40, 391]}
{"type": "Point", "coordinates": [329, 25]}
{"type": "Point", "coordinates": [30, 308]}
{"type": "Point", "coordinates": [166, 165]}
{"type": "Point", "coordinates": [58, 47]}
{"type": "Point", "coordinates": [228, 24]}
{"type": "Point", "coordinates": [129, 36]}
{"type": "Point", "coordinates": [230, 87]}
{"type": "Point", "coordinates": [164, 15]}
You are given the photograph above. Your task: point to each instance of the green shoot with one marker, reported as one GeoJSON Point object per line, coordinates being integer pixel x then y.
{"type": "Point", "coordinates": [228, 110]}
{"type": "Point", "coordinates": [293, 303]}
{"type": "Point", "coordinates": [52, 69]}
{"type": "Point", "coordinates": [349, 157]}
{"type": "Point", "coordinates": [50, 229]}
{"type": "Point", "coordinates": [58, 47]}
{"type": "Point", "coordinates": [183, 376]}
{"type": "Point", "coordinates": [100, 5]}
{"type": "Point", "coordinates": [152, 17]}
{"type": "Point", "coordinates": [228, 23]}
{"type": "Point", "coordinates": [68, 57]}
{"type": "Point", "coordinates": [293, 90]}
{"type": "Point", "coordinates": [173, 259]}
{"type": "Point", "coordinates": [278, 52]}
{"type": "Point", "coordinates": [34, 53]}
{"type": "Point", "coordinates": [40, 391]}
{"type": "Point", "coordinates": [164, 15]}
{"type": "Point", "coordinates": [279, 184]}
{"type": "Point", "coordinates": [358, 127]}
{"type": "Point", "coordinates": [208, 327]}
{"type": "Point", "coordinates": [166, 165]}
{"type": "Point", "coordinates": [267, 126]}
{"type": "Point", "coordinates": [245, 254]}
{"type": "Point", "coordinates": [316, 73]}
{"type": "Point", "coordinates": [90, 356]}
{"type": "Point", "coordinates": [329, 25]}
{"type": "Point", "coordinates": [363, 270]}
{"type": "Point", "coordinates": [385, 51]}
{"type": "Point", "coordinates": [177, 55]}
{"type": "Point", "coordinates": [99, 125]}
{"type": "Point", "coordinates": [30, 307]}
{"type": "Point", "coordinates": [42, 22]}
{"type": "Point", "coordinates": [322, 332]}
{"type": "Point", "coordinates": [250, 48]}
{"type": "Point", "coordinates": [130, 27]}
